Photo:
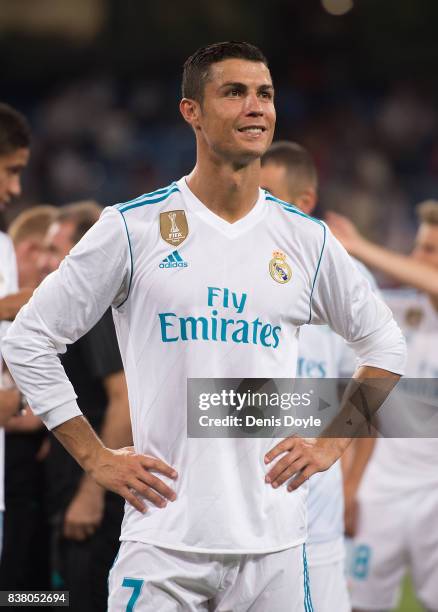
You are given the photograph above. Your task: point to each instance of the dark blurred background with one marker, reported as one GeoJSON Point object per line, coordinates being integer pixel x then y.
{"type": "Point", "coordinates": [355, 80]}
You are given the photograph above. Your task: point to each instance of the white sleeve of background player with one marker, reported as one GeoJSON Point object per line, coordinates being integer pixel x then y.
{"type": "Point", "coordinates": [9, 269]}
{"type": "Point", "coordinates": [96, 274]}
{"type": "Point", "coordinates": [343, 298]}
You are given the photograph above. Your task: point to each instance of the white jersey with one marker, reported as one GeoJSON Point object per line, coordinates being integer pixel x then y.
{"type": "Point", "coordinates": [8, 284]}
{"type": "Point", "coordinates": [324, 354]}
{"type": "Point", "coordinates": [405, 464]}
{"type": "Point", "coordinates": [320, 355]}
{"type": "Point", "coordinates": [195, 296]}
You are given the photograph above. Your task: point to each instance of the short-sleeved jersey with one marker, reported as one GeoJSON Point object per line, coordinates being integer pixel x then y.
{"type": "Point", "coordinates": [399, 465]}
{"type": "Point", "coordinates": [195, 296]}
{"type": "Point", "coordinates": [8, 284]}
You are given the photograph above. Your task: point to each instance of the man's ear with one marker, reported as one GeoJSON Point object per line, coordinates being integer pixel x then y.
{"type": "Point", "coordinates": [190, 110]}
{"type": "Point", "coordinates": [307, 201]}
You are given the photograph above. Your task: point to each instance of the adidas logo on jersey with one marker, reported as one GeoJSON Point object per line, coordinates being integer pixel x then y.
{"type": "Point", "coordinates": [174, 260]}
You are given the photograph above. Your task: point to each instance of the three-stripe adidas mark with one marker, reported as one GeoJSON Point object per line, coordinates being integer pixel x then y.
{"type": "Point", "coordinates": [174, 260]}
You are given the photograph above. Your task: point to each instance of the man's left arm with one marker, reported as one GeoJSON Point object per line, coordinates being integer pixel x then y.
{"type": "Point", "coordinates": [343, 299]}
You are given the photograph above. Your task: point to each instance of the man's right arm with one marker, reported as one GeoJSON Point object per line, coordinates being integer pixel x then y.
{"type": "Point", "coordinates": [68, 303]}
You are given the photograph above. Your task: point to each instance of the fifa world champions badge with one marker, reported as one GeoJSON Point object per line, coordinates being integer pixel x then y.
{"type": "Point", "coordinates": [174, 228]}
{"type": "Point", "coordinates": [279, 269]}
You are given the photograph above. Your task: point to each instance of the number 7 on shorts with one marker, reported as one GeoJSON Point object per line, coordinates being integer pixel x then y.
{"type": "Point", "coordinates": [135, 585]}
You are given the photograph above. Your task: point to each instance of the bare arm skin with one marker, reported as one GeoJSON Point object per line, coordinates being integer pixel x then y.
{"type": "Point", "coordinates": [9, 404]}
{"type": "Point", "coordinates": [402, 268]}
{"type": "Point", "coordinates": [11, 304]}
{"type": "Point", "coordinates": [354, 462]}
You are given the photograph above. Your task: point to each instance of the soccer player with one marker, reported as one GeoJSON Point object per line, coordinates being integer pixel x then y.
{"type": "Point", "coordinates": [289, 173]}
{"type": "Point", "coordinates": [24, 563]}
{"type": "Point", "coordinates": [398, 497]}
{"type": "Point", "coordinates": [14, 155]}
{"type": "Point", "coordinates": [208, 277]}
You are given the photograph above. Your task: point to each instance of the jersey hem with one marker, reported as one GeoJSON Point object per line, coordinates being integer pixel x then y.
{"type": "Point", "coordinates": [217, 551]}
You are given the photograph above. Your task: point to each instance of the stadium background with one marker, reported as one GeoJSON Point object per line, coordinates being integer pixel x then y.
{"type": "Point", "coordinates": [99, 81]}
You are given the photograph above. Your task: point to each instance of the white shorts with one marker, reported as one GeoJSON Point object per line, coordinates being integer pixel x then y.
{"type": "Point", "coordinates": [327, 579]}
{"type": "Point", "coordinates": [146, 578]}
{"type": "Point", "coordinates": [395, 535]}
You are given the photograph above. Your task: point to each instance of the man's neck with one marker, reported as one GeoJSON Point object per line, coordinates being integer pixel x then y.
{"type": "Point", "coordinates": [227, 191]}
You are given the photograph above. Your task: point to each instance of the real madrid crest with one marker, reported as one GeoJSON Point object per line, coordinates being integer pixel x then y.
{"type": "Point", "coordinates": [279, 269]}
{"type": "Point", "coordinates": [174, 228]}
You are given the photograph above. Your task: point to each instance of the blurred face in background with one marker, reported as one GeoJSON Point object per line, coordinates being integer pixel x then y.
{"type": "Point", "coordinates": [273, 177]}
{"type": "Point", "coordinates": [236, 118]}
{"type": "Point", "coordinates": [29, 252]}
{"type": "Point", "coordinates": [426, 244]}
{"type": "Point", "coordinates": [11, 166]}
{"type": "Point", "coordinates": [58, 243]}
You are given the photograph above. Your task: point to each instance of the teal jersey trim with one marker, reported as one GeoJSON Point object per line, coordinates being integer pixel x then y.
{"type": "Point", "coordinates": [308, 607]}
{"type": "Point", "coordinates": [132, 260]}
{"type": "Point", "coordinates": [317, 270]}
{"type": "Point", "coordinates": [293, 209]}
{"type": "Point", "coordinates": [152, 198]}
{"type": "Point", "coordinates": [155, 193]}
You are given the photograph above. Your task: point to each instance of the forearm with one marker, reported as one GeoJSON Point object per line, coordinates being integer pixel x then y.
{"type": "Point", "coordinates": [9, 404]}
{"type": "Point", "coordinates": [361, 400]}
{"type": "Point", "coordinates": [116, 430]}
{"type": "Point", "coordinates": [362, 449]}
{"type": "Point", "coordinates": [115, 433]}
{"type": "Point", "coordinates": [80, 440]}
{"type": "Point", "coordinates": [11, 304]}
{"type": "Point", "coordinates": [405, 270]}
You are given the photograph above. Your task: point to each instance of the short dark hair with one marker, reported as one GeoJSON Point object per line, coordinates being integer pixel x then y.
{"type": "Point", "coordinates": [300, 167]}
{"type": "Point", "coordinates": [196, 67]}
{"type": "Point", "coordinates": [14, 130]}
{"type": "Point", "coordinates": [83, 214]}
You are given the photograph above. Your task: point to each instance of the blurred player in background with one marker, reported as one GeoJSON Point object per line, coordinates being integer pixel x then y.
{"type": "Point", "coordinates": [85, 520]}
{"type": "Point", "coordinates": [398, 497]}
{"type": "Point", "coordinates": [25, 560]}
{"type": "Point", "coordinates": [14, 155]}
{"type": "Point", "coordinates": [208, 277]}
{"type": "Point", "coordinates": [289, 173]}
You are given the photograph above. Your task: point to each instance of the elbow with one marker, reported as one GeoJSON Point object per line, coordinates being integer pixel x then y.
{"type": "Point", "coordinates": [384, 349]}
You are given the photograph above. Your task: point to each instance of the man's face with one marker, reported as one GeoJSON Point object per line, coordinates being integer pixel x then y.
{"type": "Point", "coordinates": [58, 243]}
{"type": "Point", "coordinates": [426, 244]}
{"type": "Point", "coordinates": [11, 166]}
{"type": "Point", "coordinates": [237, 115]}
{"type": "Point", "coordinates": [273, 178]}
